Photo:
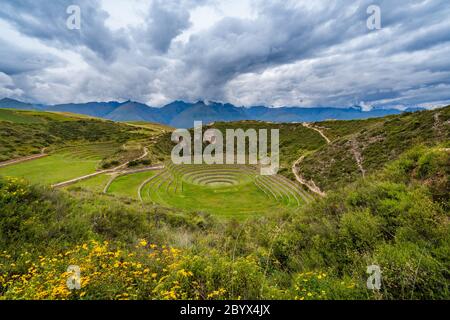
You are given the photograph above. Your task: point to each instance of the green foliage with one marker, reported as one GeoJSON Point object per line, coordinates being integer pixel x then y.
{"type": "Point", "coordinates": [429, 166]}
{"type": "Point", "coordinates": [110, 164]}
{"type": "Point", "coordinates": [359, 230]}
{"type": "Point", "coordinates": [320, 252]}
{"type": "Point", "coordinates": [41, 129]}
{"type": "Point", "coordinates": [397, 217]}
{"type": "Point", "coordinates": [135, 163]}
{"type": "Point", "coordinates": [34, 218]}
{"type": "Point", "coordinates": [411, 272]}
{"type": "Point", "coordinates": [381, 141]}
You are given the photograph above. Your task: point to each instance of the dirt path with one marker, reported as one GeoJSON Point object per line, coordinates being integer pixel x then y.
{"type": "Point", "coordinates": [308, 125]}
{"type": "Point", "coordinates": [126, 163]}
{"type": "Point", "coordinates": [309, 184]}
{"type": "Point", "coordinates": [113, 170]}
{"type": "Point", "coordinates": [358, 157]}
{"type": "Point", "coordinates": [23, 159]}
{"type": "Point", "coordinates": [296, 170]}
{"type": "Point", "coordinates": [69, 182]}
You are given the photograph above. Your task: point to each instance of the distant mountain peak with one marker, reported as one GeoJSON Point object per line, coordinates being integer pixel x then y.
{"type": "Point", "coordinates": [7, 100]}
{"type": "Point", "coordinates": [16, 104]}
{"type": "Point", "coordinates": [183, 114]}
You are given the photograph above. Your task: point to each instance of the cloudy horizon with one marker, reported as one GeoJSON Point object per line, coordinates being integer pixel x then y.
{"type": "Point", "coordinates": [245, 52]}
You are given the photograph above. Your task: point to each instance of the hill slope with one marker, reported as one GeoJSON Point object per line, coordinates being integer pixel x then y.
{"type": "Point", "coordinates": [133, 111]}
{"type": "Point", "coordinates": [394, 219]}
{"type": "Point", "coordinates": [360, 148]}
{"type": "Point", "coordinates": [357, 148]}
{"type": "Point", "coordinates": [95, 109]}
{"type": "Point", "coordinates": [23, 133]}
{"type": "Point", "coordinates": [14, 104]}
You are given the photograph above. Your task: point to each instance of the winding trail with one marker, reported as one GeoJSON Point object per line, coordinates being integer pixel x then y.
{"type": "Point", "coordinates": [126, 163]}
{"type": "Point", "coordinates": [358, 157]}
{"type": "Point", "coordinates": [296, 170]}
{"type": "Point", "coordinates": [113, 170]}
{"type": "Point", "coordinates": [69, 182]}
{"type": "Point", "coordinates": [309, 184]}
{"type": "Point", "coordinates": [308, 125]}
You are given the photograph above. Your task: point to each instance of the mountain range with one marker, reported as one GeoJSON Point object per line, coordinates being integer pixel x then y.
{"type": "Point", "coordinates": [180, 114]}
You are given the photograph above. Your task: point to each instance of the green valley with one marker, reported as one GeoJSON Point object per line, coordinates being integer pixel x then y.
{"type": "Point", "coordinates": [105, 196]}
{"type": "Point", "coordinates": [241, 159]}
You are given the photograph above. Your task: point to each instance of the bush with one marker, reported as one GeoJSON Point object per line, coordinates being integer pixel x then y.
{"type": "Point", "coordinates": [411, 272]}
{"type": "Point", "coordinates": [394, 220]}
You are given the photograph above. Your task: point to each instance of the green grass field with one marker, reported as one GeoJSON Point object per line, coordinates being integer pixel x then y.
{"type": "Point", "coordinates": [216, 190]}
{"type": "Point", "coordinates": [128, 185]}
{"type": "Point", "coordinates": [49, 170]}
{"type": "Point", "coordinates": [67, 163]}
{"type": "Point", "coordinates": [224, 190]}
{"type": "Point", "coordinates": [190, 225]}
{"type": "Point", "coordinates": [95, 184]}
{"type": "Point", "coordinates": [241, 201]}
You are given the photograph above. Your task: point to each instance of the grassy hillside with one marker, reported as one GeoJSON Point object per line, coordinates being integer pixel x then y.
{"type": "Point", "coordinates": [338, 129]}
{"type": "Point", "coordinates": [157, 127]}
{"type": "Point", "coordinates": [295, 140]}
{"type": "Point", "coordinates": [19, 117]}
{"type": "Point", "coordinates": [195, 224]}
{"type": "Point", "coordinates": [362, 147]}
{"type": "Point", "coordinates": [357, 148]}
{"type": "Point", "coordinates": [27, 132]}
{"type": "Point", "coordinates": [31, 116]}
{"type": "Point", "coordinates": [395, 219]}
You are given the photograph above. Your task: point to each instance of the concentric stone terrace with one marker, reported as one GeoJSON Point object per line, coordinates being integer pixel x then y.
{"type": "Point", "coordinates": [226, 190]}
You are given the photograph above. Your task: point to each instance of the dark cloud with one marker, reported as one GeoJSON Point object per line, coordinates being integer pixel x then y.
{"type": "Point", "coordinates": [285, 33]}
{"type": "Point", "coordinates": [15, 60]}
{"type": "Point", "coordinates": [281, 34]}
{"type": "Point", "coordinates": [46, 20]}
{"type": "Point", "coordinates": [287, 53]}
{"type": "Point", "coordinates": [166, 20]}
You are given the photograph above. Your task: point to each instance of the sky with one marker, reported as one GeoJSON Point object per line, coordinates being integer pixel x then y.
{"type": "Point", "coordinates": [246, 52]}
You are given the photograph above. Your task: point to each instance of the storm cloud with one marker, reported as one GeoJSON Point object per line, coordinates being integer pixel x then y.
{"type": "Point", "coordinates": [247, 52]}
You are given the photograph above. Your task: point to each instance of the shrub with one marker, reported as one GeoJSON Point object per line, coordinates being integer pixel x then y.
{"type": "Point", "coordinates": [411, 272]}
